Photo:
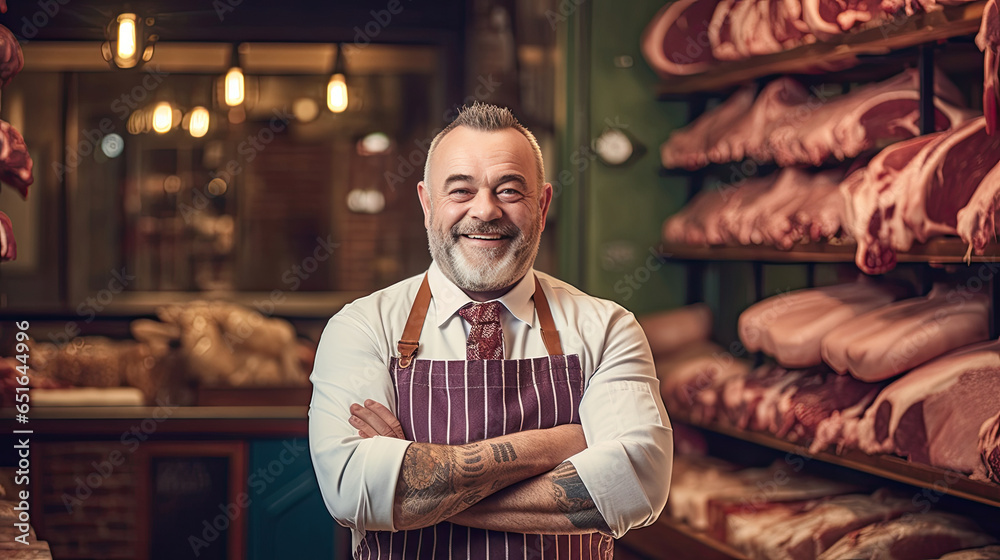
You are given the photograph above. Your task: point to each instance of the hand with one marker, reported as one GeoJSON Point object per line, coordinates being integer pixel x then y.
{"type": "Point", "coordinates": [374, 419]}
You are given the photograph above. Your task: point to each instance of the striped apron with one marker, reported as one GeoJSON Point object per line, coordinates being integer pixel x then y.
{"type": "Point", "coordinates": [458, 401]}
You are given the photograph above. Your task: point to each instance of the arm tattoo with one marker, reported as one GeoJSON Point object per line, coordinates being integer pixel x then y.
{"type": "Point", "coordinates": [437, 482]}
{"type": "Point", "coordinates": [503, 452]}
{"type": "Point", "coordinates": [573, 499]}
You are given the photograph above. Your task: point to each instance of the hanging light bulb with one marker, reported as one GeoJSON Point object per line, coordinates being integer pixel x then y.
{"type": "Point", "coordinates": [126, 37]}
{"type": "Point", "coordinates": [128, 42]}
{"type": "Point", "coordinates": [235, 90]}
{"type": "Point", "coordinates": [163, 117]}
{"type": "Point", "coordinates": [198, 122]}
{"type": "Point", "coordinates": [336, 93]}
{"type": "Point", "coordinates": [336, 89]}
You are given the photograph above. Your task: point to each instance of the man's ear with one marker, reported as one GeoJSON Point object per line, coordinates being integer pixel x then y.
{"type": "Point", "coordinates": [423, 193]}
{"type": "Point", "coordinates": [544, 201]}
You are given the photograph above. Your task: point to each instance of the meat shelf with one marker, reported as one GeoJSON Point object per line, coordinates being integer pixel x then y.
{"type": "Point", "coordinates": [933, 480]}
{"type": "Point", "coordinates": [943, 250]}
{"type": "Point", "coordinates": [889, 36]}
{"type": "Point", "coordinates": [684, 542]}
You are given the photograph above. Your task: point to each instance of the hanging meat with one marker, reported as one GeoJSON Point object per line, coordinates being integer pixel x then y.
{"type": "Point", "coordinates": [988, 41]}
{"type": "Point", "coordinates": [989, 447]}
{"type": "Point", "coordinates": [15, 162]}
{"type": "Point", "coordinates": [8, 248]}
{"type": "Point", "coordinates": [790, 326]}
{"type": "Point", "coordinates": [933, 414]}
{"type": "Point", "coordinates": [900, 336]}
{"type": "Point", "coordinates": [675, 42]}
{"type": "Point", "coordinates": [11, 57]}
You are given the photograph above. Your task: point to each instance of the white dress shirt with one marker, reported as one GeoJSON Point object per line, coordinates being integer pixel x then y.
{"type": "Point", "coordinates": [626, 466]}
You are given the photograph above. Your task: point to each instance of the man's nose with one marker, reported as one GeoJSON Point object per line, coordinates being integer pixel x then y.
{"type": "Point", "coordinates": [485, 206]}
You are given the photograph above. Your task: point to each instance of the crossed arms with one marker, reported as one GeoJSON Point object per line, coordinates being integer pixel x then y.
{"type": "Point", "coordinates": [519, 482]}
{"type": "Point", "coordinates": [557, 481]}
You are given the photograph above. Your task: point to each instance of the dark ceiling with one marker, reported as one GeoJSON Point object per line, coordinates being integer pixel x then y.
{"type": "Point", "coordinates": [414, 21]}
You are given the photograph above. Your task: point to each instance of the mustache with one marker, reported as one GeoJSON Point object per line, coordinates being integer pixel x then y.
{"type": "Point", "coordinates": [486, 228]}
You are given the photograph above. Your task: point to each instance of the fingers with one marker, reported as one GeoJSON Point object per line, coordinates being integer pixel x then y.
{"type": "Point", "coordinates": [395, 429]}
{"type": "Point", "coordinates": [374, 419]}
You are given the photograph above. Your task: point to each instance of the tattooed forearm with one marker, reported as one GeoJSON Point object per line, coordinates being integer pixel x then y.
{"type": "Point", "coordinates": [574, 501]}
{"type": "Point", "coordinates": [438, 481]}
{"type": "Point", "coordinates": [503, 452]}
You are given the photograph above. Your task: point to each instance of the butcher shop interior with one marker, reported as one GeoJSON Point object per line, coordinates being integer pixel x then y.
{"type": "Point", "coordinates": [797, 200]}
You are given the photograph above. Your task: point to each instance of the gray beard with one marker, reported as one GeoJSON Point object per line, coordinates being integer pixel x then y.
{"type": "Point", "coordinates": [488, 269]}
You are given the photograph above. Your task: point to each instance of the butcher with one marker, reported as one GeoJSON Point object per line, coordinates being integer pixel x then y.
{"type": "Point", "coordinates": [484, 409]}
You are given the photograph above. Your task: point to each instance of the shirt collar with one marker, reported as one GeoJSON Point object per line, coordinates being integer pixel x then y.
{"type": "Point", "coordinates": [447, 298]}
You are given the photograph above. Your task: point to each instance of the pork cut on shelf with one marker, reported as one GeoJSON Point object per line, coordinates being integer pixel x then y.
{"type": "Point", "coordinates": [789, 126]}
{"type": "Point", "coordinates": [976, 222]}
{"type": "Point", "coordinates": [747, 134]}
{"type": "Point", "coordinates": [675, 42]}
{"type": "Point", "coordinates": [691, 380]}
{"type": "Point", "coordinates": [705, 491]}
{"type": "Point", "coordinates": [900, 336]}
{"type": "Point", "coordinates": [914, 536]}
{"type": "Point", "coordinates": [803, 531]}
{"type": "Point", "coordinates": [790, 326]}
{"type": "Point", "coordinates": [989, 448]}
{"type": "Point", "coordinates": [921, 199]}
{"type": "Point", "coordinates": [932, 414]}
{"type": "Point", "coordinates": [846, 125]}
{"type": "Point", "coordinates": [942, 182]}
{"type": "Point", "coordinates": [863, 192]}
{"type": "Point", "coordinates": [688, 147]}
{"type": "Point", "coordinates": [777, 210]}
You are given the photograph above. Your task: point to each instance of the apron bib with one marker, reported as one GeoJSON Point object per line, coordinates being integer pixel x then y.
{"type": "Point", "coordinates": [461, 401]}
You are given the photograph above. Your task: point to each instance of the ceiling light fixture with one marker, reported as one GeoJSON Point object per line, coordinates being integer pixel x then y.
{"type": "Point", "coordinates": [197, 122]}
{"type": "Point", "coordinates": [163, 118]}
{"type": "Point", "coordinates": [128, 42]}
{"type": "Point", "coordinates": [336, 89]}
{"type": "Point", "coordinates": [235, 85]}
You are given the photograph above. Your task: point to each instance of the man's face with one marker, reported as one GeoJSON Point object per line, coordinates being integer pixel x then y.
{"type": "Point", "coordinates": [484, 209]}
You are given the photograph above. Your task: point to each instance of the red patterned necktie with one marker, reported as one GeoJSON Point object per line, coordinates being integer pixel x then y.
{"type": "Point", "coordinates": [486, 335]}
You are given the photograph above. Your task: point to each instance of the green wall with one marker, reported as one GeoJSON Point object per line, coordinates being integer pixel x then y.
{"type": "Point", "coordinates": [611, 217]}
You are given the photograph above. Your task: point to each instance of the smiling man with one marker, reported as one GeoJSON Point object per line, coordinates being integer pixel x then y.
{"type": "Point", "coordinates": [484, 409]}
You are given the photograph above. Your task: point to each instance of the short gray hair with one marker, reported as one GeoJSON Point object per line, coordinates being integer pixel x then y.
{"type": "Point", "coordinates": [487, 118]}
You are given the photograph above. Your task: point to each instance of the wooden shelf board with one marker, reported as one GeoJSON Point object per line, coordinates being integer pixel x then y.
{"type": "Point", "coordinates": [669, 538]}
{"type": "Point", "coordinates": [873, 40]}
{"type": "Point", "coordinates": [943, 250]}
{"type": "Point", "coordinates": [940, 481]}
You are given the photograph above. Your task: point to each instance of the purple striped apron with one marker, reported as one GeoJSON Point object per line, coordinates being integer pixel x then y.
{"type": "Point", "coordinates": [459, 401]}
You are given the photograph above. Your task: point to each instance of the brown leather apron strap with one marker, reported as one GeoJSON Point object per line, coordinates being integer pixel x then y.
{"type": "Point", "coordinates": [550, 336]}
{"type": "Point", "coordinates": [408, 344]}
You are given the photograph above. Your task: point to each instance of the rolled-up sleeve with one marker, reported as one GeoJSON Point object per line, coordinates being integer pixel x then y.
{"type": "Point", "coordinates": [626, 466]}
{"type": "Point", "coordinates": [357, 476]}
